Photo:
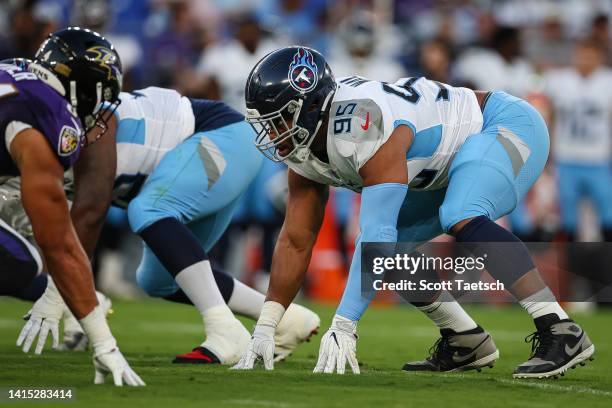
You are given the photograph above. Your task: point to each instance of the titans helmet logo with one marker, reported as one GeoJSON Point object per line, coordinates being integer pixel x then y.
{"type": "Point", "coordinates": [303, 71]}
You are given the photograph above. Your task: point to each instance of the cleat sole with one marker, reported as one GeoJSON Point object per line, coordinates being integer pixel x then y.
{"type": "Point", "coordinates": [573, 363]}
{"type": "Point", "coordinates": [478, 365]}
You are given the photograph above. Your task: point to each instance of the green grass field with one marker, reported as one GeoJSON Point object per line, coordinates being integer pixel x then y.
{"type": "Point", "coordinates": [151, 332]}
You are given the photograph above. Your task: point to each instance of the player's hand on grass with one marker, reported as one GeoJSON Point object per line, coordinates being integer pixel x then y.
{"type": "Point", "coordinates": [44, 317]}
{"type": "Point", "coordinates": [113, 362]}
{"type": "Point", "coordinates": [107, 358]}
{"type": "Point", "coordinates": [338, 346]}
{"type": "Point", "coordinates": [261, 347]}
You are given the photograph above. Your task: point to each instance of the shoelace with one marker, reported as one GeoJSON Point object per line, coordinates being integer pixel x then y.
{"type": "Point", "coordinates": [541, 342]}
{"type": "Point", "coordinates": [438, 348]}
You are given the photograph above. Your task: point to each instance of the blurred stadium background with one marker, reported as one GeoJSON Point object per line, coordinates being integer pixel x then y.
{"type": "Point", "coordinates": [206, 48]}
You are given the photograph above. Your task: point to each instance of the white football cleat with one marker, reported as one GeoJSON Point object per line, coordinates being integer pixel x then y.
{"type": "Point", "coordinates": [226, 340]}
{"type": "Point", "coordinates": [298, 325]}
{"type": "Point", "coordinates": [75, 338]}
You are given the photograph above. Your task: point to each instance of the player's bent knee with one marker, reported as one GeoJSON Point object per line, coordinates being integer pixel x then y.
{"type": "Point", "coordinates": [457, 227]}
{"type": "Point", "coordinates": [453, 217]}
{"type": "Point", "coordinates": [142, 214]}
{"type": "Point", "coordinates": [135, 212]}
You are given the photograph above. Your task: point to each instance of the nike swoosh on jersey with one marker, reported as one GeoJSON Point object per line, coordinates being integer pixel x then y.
{"type": "Point", "coordinates": [572, 350]}
{"type": "Point", "coordinates": [367, 122]}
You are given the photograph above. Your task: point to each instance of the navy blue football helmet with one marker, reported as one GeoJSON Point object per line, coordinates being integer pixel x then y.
{"type": "Point", "coordinates": [83, 67]}
{"type": "Point", "coordinates": [288, 94]}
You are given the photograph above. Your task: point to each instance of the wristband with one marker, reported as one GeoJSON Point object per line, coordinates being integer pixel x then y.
{"type": "Point", "coordinates": [343, 324]}
{"type": "Point", "coordinates": [264, 331]}
{"type": "Point", "coordinates": [271, 314]}
{"type": "Point", "coordinates": [96, 328]}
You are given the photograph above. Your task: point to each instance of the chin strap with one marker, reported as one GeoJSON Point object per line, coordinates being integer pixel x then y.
{"type": "Point", "coordinates": [73, 97]}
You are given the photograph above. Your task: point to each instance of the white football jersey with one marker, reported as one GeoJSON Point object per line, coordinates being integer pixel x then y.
{"type": "Point", "coordinates": [363, 115]}
{"type": "Point", "coordinates": [583, 106]}
{"type": "Point", "coordinates": [151, 122]}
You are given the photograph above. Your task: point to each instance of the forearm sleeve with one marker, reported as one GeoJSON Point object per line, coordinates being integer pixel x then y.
{"type": "Point", "coordinates": [380, 207]}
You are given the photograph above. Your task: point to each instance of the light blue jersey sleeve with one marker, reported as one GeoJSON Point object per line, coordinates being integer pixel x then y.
{"type": "Point", "coordinates": [380, 207]}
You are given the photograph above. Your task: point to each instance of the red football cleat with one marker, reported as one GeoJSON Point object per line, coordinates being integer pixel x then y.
{"type": "Point", "coordinates": [198, 355]}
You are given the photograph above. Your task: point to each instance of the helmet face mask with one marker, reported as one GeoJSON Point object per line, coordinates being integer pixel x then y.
{"type": "Point", "coordinates": [100, 120]}
{"type": "Point", "coordinates": [273, 131]}
{"type": "Point", "coordinates": [84, 68]}
{"type": "Point", "coordinates": [287, 96]}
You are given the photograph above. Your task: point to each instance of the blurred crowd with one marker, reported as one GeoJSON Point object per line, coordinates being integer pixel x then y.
{"type": "Point", "coordinates": [206, 48]}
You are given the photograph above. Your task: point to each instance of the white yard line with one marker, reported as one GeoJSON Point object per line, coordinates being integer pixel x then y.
{"type": "Point", "coordinates": [541, 385]}
{"type": "Point", "coordinates": [555, 387]}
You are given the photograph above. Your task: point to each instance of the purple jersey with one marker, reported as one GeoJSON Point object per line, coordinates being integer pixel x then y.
{"type": "Point", "coordinates": [24, 98]}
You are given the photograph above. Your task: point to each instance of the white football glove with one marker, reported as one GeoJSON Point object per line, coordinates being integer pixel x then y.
{"type": "Point", "coordinates": [338, 346]}
{"type": "Point", "coordinates": [261, 347]}
{"type": "Point", "coordinates": [44, 317]}
{"type": "Point", "coordinates": [113, 362]}
{"type": "Point", "coordinates": [107, 358]}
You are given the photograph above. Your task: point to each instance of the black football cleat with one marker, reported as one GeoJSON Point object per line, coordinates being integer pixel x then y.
{"type": "Point", "coordinates": [468, 350]}
{"type": "Point", "coordinates": [556, 346]}
{"type": "Point", "coordinates": [199, 355]}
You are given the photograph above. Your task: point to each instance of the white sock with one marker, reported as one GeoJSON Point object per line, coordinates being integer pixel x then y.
{"type": "Point", "coordinates": [542, 303]}
{"type": "Point", "coordinates": [198, 283]}
{"type": "Point", "coordinates": [446, 313]}
{"type": "Point", "coordinates": [246, 301]}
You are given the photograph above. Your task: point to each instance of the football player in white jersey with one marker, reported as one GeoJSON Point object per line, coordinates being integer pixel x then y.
{"type": "Point", "coordinates": [582, 101]}
{"type": "Point", "coordinates": [427, 158]}
{"type": "Point", "coordinates": [179, 166]}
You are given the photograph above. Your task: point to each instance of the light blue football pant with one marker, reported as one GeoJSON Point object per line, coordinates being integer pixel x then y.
{"type": "Point", "coordinates": [489, 175]}
{"type": "Point", "coordinates": [199, 183]}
